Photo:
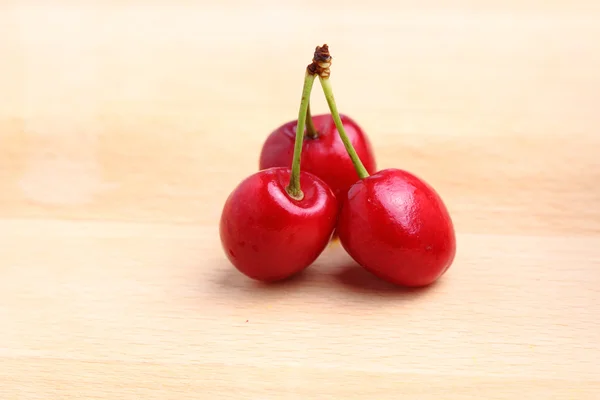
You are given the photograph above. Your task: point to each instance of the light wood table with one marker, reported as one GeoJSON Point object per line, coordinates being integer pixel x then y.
{"type": "Point", "coordinates": [124, 126]}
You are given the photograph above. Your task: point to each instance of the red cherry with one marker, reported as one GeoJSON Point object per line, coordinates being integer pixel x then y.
{"type": "Point", "coordinates": [279, 220]}
{"type": "Point", "coordinates": [396, 226]}
{"type": "Point", "coordinates": [324, 155]}
{"type": "Point", "coordinates": [392, 223]}
{"type": "Point", "coordinates": [267, 234]}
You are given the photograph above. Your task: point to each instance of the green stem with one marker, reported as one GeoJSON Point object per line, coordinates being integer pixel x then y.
{"type": "Point", "coordinates": [358, 165]}
{"type": "Point", "coordinates": [311, 131]}
{"type": "Point", "coordinates": [294, 189]}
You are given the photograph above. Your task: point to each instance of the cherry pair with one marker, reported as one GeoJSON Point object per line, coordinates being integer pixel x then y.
{"type": "Point", "coordinates": [280, 219]}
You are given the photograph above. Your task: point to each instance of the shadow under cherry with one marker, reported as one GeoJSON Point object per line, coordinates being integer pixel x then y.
{"type": "Point", "coordinates": [230, 278]}
{"type": "Point", "coordinates": [357, 279]}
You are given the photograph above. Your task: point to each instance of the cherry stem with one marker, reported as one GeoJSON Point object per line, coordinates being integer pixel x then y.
{"type": "Point", "coordinates": [358, 165]}
{"type": "Point", "coordinates": [294, 189]}
{"type": "Point", "coordinates": [311, 131]}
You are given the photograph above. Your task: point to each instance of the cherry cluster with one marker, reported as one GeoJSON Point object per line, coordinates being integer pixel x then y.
{"type": "Point", "coordinates": [279, 220]}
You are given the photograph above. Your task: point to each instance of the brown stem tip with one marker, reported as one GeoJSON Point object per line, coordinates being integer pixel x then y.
{"type": "Point", "coordinates": [321, 62]}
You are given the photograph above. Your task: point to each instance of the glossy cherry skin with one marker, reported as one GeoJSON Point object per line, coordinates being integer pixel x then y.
{"type": "Point", "coordinates": [325, 156]}
{"type": "Point", "coordinates": [396, 226]}
{"type": "Point", "coordinates": [269, 236]}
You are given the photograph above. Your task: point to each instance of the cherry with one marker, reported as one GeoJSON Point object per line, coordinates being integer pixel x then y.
{"type": "Point", "coordinates": [269, 235]}
{"type": "Point", "coordinates": [277, 221]}
{"type": "Point", "coordinates": [393, 223]}
{"type": "Point", "coordinates": [323, 152]}
{"type": "Point", "coordinates": [396, 226]}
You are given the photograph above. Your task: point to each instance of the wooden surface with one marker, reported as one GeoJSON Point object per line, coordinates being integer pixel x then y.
{"type": "Point", "coordinates": [124, 125]}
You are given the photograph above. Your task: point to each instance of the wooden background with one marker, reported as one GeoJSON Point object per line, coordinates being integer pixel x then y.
{"type": "Point", "coordinates": [124, 125]}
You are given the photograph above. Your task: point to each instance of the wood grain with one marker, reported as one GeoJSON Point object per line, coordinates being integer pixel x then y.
{"type": "Point", "coordinates": [124, 126]}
